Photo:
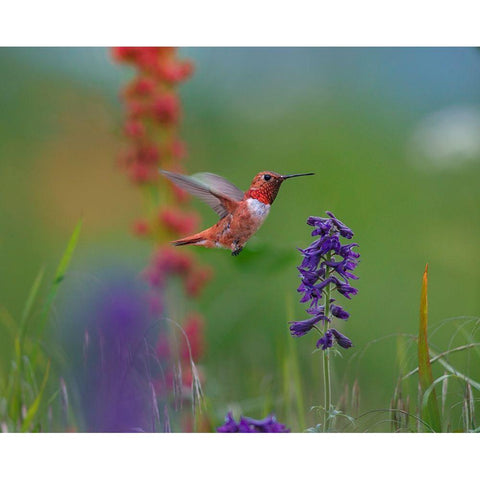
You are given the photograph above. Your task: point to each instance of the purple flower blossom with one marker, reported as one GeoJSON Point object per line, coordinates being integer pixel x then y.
{"type": "Point", "coordinates": [309, 276]}
{"type": "Point", "coordinates": [230, 425]}
{"type": "Point", "coordinates": [346, 290]}
{"type": "Point", "coordinates": [326, 267]}
{"type": "Point", "coordinates": [342, 340]}
{"type": "Point", "coordinates": [322, 225]}
{"type": "Point", "coordinates": [345, 251]}
{"type": "Point", "coordinates": [116, 368]}
{"type": "Point", "coordinates": [342, 228]}
{"type": "Point", "coordinates": [326, 341]}
{"type": "Point", "coordinates": [339, 312]}
{"type": "Point", "coordinates": [250, 425]}
{"type": "Point", "coordinates": [297, 329]}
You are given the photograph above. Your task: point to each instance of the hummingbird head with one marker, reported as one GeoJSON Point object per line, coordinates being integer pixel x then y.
{"type": "Point", "coordinates": [265, 185]}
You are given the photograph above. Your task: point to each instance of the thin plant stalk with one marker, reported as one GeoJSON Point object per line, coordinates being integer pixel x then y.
{"type": "Point", "coordinates": [326, 366]}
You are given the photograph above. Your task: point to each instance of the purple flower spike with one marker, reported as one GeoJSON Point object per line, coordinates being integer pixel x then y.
{"type": "Point", "coordinates": [250, 425]}
{"type": "Point", "coordinates": [327, 267]}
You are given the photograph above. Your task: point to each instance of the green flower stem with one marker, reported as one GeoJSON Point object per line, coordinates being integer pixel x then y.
{"type": "Point", "coordinates": [326, 367]}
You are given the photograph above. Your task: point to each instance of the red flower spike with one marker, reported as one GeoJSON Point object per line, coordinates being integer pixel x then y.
{"type": "Point", "coordinates": [196, 280]}
{"type": "Point", "coordinates": [134, 129]}
{"type": "Point", "coordinates": [177, 221]}
{"type": "Point", "coordinates": [166, 108]}
{"type": "Point", "coordinates": [135, 109]}
{"type": "Point", "coordinates": [172, 261]}
{"type": "Point", "coordinates": [140, 87]}
{"type": "Point", "coordinates": [153, 112]}
{"type": "Point", "coordinates": [174, 71]}
{"type": "Point", "coordinates": [178, 149]}
{"type": "Point", "coordinates": [194, 330]}
{"type": "Point", "coordinates": [125, 54]}
{"type": "Point", "coordinates": [139, 173]}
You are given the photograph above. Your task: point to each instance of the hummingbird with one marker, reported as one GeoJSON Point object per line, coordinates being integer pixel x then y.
{"type": "Point", "coordinates": [241, 213]}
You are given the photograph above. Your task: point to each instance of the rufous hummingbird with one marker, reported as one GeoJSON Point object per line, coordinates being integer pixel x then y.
{"type": "Point", "coordinates": [241, 213]}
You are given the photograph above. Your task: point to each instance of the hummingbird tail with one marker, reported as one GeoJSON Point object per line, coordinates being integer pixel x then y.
{"type": "Point", "coordinates": [193, 240]}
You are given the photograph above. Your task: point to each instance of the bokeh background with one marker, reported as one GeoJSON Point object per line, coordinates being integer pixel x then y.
{"type": "Point", "coordinates": [393, 135]}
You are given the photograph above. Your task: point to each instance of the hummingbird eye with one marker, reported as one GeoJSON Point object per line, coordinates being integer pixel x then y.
{"type": "Point", "coordinates": [267, 177]}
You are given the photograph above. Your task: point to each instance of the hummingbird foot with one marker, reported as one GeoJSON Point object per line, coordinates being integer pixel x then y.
{"type": "Point", "coordinates": [237, 251]}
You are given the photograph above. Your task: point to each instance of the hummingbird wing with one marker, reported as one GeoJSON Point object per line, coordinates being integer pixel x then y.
{"type": "Point", "coordinates": [221, 185]}
{"type": "Point", "coordinates": [214, 190]}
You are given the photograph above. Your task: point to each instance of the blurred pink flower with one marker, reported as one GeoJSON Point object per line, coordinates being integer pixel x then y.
{"type": "Point", "coordinates": [153, 114]}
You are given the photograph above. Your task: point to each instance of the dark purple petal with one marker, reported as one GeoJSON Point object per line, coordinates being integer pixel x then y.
{"type": "Point", "coordinates": [250, 425]}
{"type": "Point", "coordinates": [317, 310]}
{"type": "Point", "coordinates": [267, 425]}
{"type": "Point", "coordinates": [328, 280]}
{"type": "Point", "coordinates": [342, 228]}
{"type": "Point", "coordinates": [330, 244]}
{"type": "Point", "coordinates": [342, 340]}
{"type": "Point", "coordinates": [230, 426]}
{"type": "Point", "coordinates": [323, 245]}
{"type": "Point", "coordinates": [310, 260]}
{"type": "Point", "coordinates": [323, 225]}
{"type": "Point", "coordinates": [300, 328]}
{"type": "Point", "coordinates": [346, 290]}
{"type": "Point", "coordinates": [339, 312]}
{"type": "Point", "coordinates": [342, 267]}
{"type": "Point", "coordinates": [311, 294]}
{"type": "Point", "coordinates": [326, 341]}
{"type": "Point", "coordinates": [346, 251]}
{"type": "Point", "coordinates": [308, 277]}
{"type": "Point", "coordinates": [244, 426]}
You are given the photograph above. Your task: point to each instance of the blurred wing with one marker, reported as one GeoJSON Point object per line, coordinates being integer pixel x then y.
{"type": "Point", "coordinates": [221, 185]}
{"type": "Point", "coordinates": [221, 203]}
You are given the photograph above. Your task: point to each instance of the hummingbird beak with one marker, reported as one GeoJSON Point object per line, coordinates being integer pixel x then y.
{"type": "Point", "coordinates": [284, 177]}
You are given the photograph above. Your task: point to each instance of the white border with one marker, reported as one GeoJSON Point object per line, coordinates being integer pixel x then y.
{"type": "Point", "coordinates": [238, 456]}
{"type": "Point", "coordinates": [235, 23]}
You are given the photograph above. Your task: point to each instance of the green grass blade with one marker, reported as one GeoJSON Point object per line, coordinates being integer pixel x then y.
{"type": "Point", "coordinates": [7, 322]}
{"type": "Point", "coordinates": [292, 381]}
{"type": "Point", "coordinates": [14, 390]}
{"type": "Point", "coordinates": [29, 374]}
{"type": "Point", "coordinates": [460, 375]}
{"type": "Point", "coordinates": [60, 274]}
{"type": "Point", "coordinates": [32, 411]}
{"type": "Point", "coordinates": [430, 390]}
{"type": "Point", "coordinates": [469, 426]}
{"type": "Point", "coordinates": [29, 304]}
{"type": "Point", "coordinates": [430, 411]}
{"type": "Point", "coordinates": [438, 357]}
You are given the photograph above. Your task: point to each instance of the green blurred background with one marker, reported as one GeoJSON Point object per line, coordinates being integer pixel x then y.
{"type": "Point", "coordinates": [392, 134]}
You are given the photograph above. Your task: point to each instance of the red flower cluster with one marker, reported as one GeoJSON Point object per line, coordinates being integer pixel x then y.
{"type": "Point", "coordinates": [159, 62]}
{"type": "Point", "coordinates": [177, 221]}
{"type": "Point", "coordinates": [193, 328]}
{"type": "Point", "coordinates": [168, 261]}
{"type": "Point", "coordinates": [153, 114]}
{"type": "Point", "coordinates": [153, 109]}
